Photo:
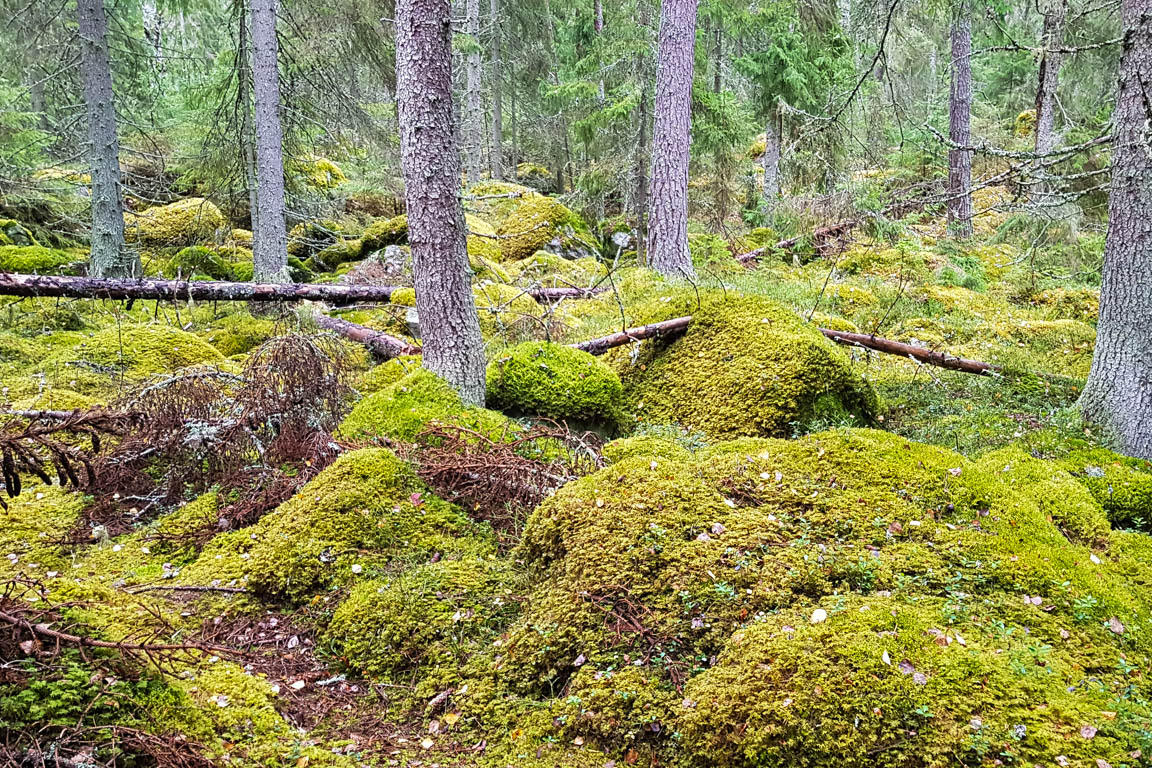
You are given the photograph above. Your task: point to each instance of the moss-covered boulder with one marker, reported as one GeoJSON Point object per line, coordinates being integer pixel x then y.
{"type": "Point", "coordinates": [551, 270]}
{"type": "Point", "coordinates": [1121, 484]}
{"type": "Point", "coordinates": [139, 351]}
{"type": "Point", "coordinates": [405, 408]}
{"type": "Point", "coordinates": [12, 232]}
{"type": "Point", "coordinates": [554, 381]}
{"type": "Point", "coordinates": [36, 259]}
{"type": "Point", "coordinates": [388, 373]}
{"type": "Point", "coordinates": [356, 516]}
{"type": "Point", "coordinates": [185, 222]}
{"type": "Point", "coordinates": [527, 221]}
{"type": "Point", "coordinates": [507, 312]}
{"type": "Point", "coordinates": [385, 232]}
{"type": "Point", "coordinates": [746, 367]}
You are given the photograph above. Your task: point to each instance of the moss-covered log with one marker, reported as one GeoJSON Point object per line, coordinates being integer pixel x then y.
{"type": "Point", "coordinates": [211, 290]}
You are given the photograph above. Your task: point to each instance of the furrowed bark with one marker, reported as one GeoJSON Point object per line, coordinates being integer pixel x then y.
{"type": "Point", "coordinates": [771, 158]}
{"type": "Point", "coordinates": [430, 157]}
{"type": "Point", "coordinates": [959, 202]}
{"type": "Point", "coordinates": [1118, 394]}
{"type": "Point", "coordinates": [109, 257]}
{"type": "Point", "coordinates": [1055, 13]}
{"type": "Point", "coordinates": [668, 197]}
{"type": "Point", "coordinates": [12, 284]}
{"type": "Point", "coordinates": [269, 237]}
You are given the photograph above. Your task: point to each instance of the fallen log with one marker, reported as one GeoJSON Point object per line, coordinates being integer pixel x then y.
{"type": "Point", "coordinates": [61, 286]}
{"type": "Point", "coordinates": [602, 344]}
{"type": "Point", "coordinates": [919, 354]}
{"type": "Point", "coordinates": [819, 236]}
{"type": "Point", "coordinates": [383, 345]}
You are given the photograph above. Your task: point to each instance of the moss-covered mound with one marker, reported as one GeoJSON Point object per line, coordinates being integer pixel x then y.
{"type": "Point", "coordinates": [141, 350]}
{"type": "Point", "coordinates": [847, 598]}
{"type": "Point", "coordinates": [37, 259]}
{"type": "Point", "coordinates": [527, 222]}
{"type": "Point", "coordinates": [12, 232]}
{"type": "Point", "coordinates": [358, 516]}
{"type": "Point", "coordinates": [555, 381]}
{"type": "Point", "coordinates": [385, 232]}
{"type": "Point", "coordinates": [388, 373]}
{"type": "Point", "coordinates": [185, 222]}
{"type": "Point", "coordinates": [404, 409]}
{"type": "Point", "coordinates": [747, 367]}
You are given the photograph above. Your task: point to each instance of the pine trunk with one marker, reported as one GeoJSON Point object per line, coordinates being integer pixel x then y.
{"type": "Point", "coordinates": [1118, 395]}
{"type": "Point", "coordinates": [771, 158]}
{"type": "Point", "coordinates": [496, 164]}
{"type": "Point", "coordinates": [269, 239]}
{"type": "Point", "coordinates": [453, 347]}
{"type": "Point", "coordinates": [1055, 13]}
{"type": "Point", "coordinates": [109, 257]}
{"type": "Point", "coordinates": [668, 202]}
{"type": "Point", "coordinates": [244, 106]}
{"type": "Point", "coordinates": [959, 125]}
{"type": "Point", "coordinates": [473, 110]}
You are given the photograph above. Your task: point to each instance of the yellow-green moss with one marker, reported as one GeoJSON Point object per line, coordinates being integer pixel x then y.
{"type": "Point", "coordinates": [405, 297]}
{"type": "Point", "coordinates": [645, 445]}
{"type": "Point", "coordinates": [384, 232]}
{"type": "Point", "coordinates": [238, 333]}
{"type": "Point", "coordinates": [34, 523]}
{"type": "Point", "coordinates": [141, 350]}
{"type": "Point", "coordinates": [555, 381]}
{"type": "Point", "coordinates": [1025, 123]}
{"type": "Point", "coordinates": [388, 373]}
{"type": "Point", "coordinates": [37, 259]}
{"type": "Point", "coordinates": [527, 221]}
{"type": "Point", "coordinates": [320, 173]}
{"type": "Point", "coordinates": [186, 222]}
{"type": "Point", "coordinates": [506, 311]}
{"type": "Point", "coordinates": [1122, 485]}
{"type": "Point", "coordinates": [13, 232]}
{"type": "Point", "coordinates": [550, 270]}
{"type": "Point", "coordinates": [747, 367]}
{"type": "Point", "coordinates": [405, 408]}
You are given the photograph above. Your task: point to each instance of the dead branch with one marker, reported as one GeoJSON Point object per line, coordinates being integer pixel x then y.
{"type": "Point", "coordinates": [919, 354]}
{"type": "Point", "coordinates": [654, 330]}
{"type": "Point", "coordinates": [383, 345]}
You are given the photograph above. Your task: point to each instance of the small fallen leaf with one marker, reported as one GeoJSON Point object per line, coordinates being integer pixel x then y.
{"type": "Point", "coordinates": [886, 658]}
{"type": "Point", "coordinates": [1115, 626]}
{"type": "Point", "coordinates": [298, 685]}
{"type": "Point", "coordinates": [1087, 731]}
{"type": "Point", "coordinates": [819, 616]}
{"type": "Point", "coordinates": [427, 743]}
{"type": "Point", "coordinates": [578, 741]}
{"type": "Point", "coordinates": [1102, 763]}
{"type": "Point", "coordinates": [451, 718]}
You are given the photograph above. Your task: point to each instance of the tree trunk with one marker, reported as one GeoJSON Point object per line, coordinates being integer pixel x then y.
{"type": "Point", "coordinates": [671, 133]}
{"type": "Point", "coordinates": [473, 109]}
{"type": "Point", "coordinates": [1118, 395]}
{"type": "Point", "coordinates": [1055, 13]}
{"type": "Point", "coordinates": [771, 158]}
{"type": "Point", "coordinates": [453, 347]}
{"type": "Point", "coordinates": [109, 257]}
{"type": "Point", "coordinates": [959, 122]}
{"type": "Point", "coordinates": [718, 59]}
{"type": "Point", "coordinates": [496, 158]}
{"type": "Point", "coordinates": [269, 241]}
{"type": "Point", "coordinates": [244, 106]}
{"type": "Point", "coordinates": [598, 26]}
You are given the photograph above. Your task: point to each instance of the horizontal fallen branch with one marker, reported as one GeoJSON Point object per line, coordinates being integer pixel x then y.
{"type": "Point", "coordinates": [45, 630]}
{"type": "Point", "coordinates": [654, 330]}
{"type": "Point", "coordinates": [61, 286]}
{"type": "Point", "coordinates": [383, 345]}
{"type": "Point", "coordinates": [840, 229]}
{"type": "Point", "coordinates": [919, 354]}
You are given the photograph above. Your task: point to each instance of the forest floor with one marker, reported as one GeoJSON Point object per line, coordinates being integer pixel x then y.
{"type": "Point", "coordinates": [248, 544]}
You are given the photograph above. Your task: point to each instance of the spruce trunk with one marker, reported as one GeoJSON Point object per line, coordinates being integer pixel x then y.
{"type": "Point", "coordinates": [959, 125]}
{"type": "Point", "coordinates": [269, 239]}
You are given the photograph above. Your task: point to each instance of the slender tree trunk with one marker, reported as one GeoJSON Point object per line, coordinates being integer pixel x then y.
{"type": "Point", "coordinates": [560, 154]}
{"type": "Point", "coordinates": [718, 59]}
{"type": "Point", "coordinates": [497, 157]}
{"type": "Point", "coordinates": [453, 347]}
{"type": "Point", "coordinates": [771, 158]}
{"type": "Point", "coordinates": [642, 176]}
{"type": "Point", "coordinates": [473, 109]}
{"type": "Point", "coordinates": [959, 123]}
{"type": "Point", "coordinates": [1055, 14]}
{"type": "Point", "coordinates": [109, 258]}
{"type": "Point", "coordinates": [598, 26]}
{"type": "Point", "coordinates": [244, 106]}
{"type": "Point", "coordinates": [1118, 395]}
{"type": "Point", "coordinates": [668, 204]}
{"type": "Point", "coordinates": [270, 241]}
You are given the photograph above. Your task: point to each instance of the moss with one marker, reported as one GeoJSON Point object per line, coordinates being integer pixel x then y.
{"type": "Point", "coordinates": [320, 173]}
{"type": "Point", "coordinates": [711, 253]}
{"type": "Point", "coordinates": [645, 445]}
{"type": "Point", "coordinates": [34, 522]}
{"type": "Point", "coordinates": [367, 509]}
{"type": "Point", "coordinates": [550, 270]}
{"type": "Point", "coordinates": [309, 238]}
{"type": "Point", "coordinates": [424, 623]}
{"type": "Point", "coordinates": [1122, 485]}
{"type": "Point", "coordinates": [555, 381]}
{"type": "Point", "coordinates": [821, 320]}
{"type": "Point", "coordinates": [29, 259]}
{"type": "Point", "coordinates": [1069, 304]}
{"type": "Point", "coordinates": [338, 253]}
{"type": "Point", "coordinates": [527, 221]}
{"type": "Point", "coordinates": [404, 297]}
{"type": "Point", "coordinates": [388, 373]}
{"type": "Point", "coordinates": [384, 232]}
{"type": "Point", "coordinates": [405, 409]}
{"type": "Point", "coordinates": [186, 222]}
{"type": "Point", "coordinates": [506, 311]}
{"type": "Point", "coordinates": [1025, 123]}
{"type": "Point", "coordinates": [141, 350]}
{"type": "Point", "coordinates": [13, 232]}
{"type": "Point", "coordinates": [747, 367]}
{"type": "Point", "coordinates": [238, 333]}
{"type": "Point", "coordinates": [198, 260]}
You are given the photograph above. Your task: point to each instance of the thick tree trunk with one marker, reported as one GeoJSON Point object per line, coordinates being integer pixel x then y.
{"type": "Point", "coordinates": [959, 123]}
{"type": "Point", "coordinates": [771, 158]}
{"type": "Point", "coordinates": [473, 108]}
{"type": "Point", "coordinates": [270, 240]}
{"type": "Point", "coordinates": [1118, 395]}
{"type": "Point", "coordinates": [668, 204]}
{"type": "Point", "coordinates": [1055, 13]}
{"type": "Point", "coordinates": [496, 158]}
{"type": "Point", "coordinates": [109, 257]}
{"type": "Point", "coordinates": [453, 347]}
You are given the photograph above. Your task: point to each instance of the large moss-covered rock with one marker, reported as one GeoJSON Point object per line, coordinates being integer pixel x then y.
{"type": "Point", "coordinates": [746, 367]}
{"type": "Point", "coordinates": [527, 222]}
{"type": "Point", "coordinates": [12, 232]}
{"type": "Point", "coordinates": [139, 351]}
{"type": "Point", "coordinates": [555, 381]}
{"type": "Point", "coordinates": [185, 222]}
{"type": "Point", "coordinates": [28, 259]}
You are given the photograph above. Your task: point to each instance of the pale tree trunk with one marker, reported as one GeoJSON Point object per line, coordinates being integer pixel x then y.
{"type": "Point", "coordinates": [1118, 395]}
{"type": "Point", "coordinates": [109, 258]}
{"type": "Point", "coordinates": [450, 329]}
{"type": "Point", "coordinates": [1055, 14]}
{"type": "Point", "coordinates": [771, 158]}
{"type": "Point", "coordinates": [473, 109]}
{"type": "Point", "coordinates": [959, 124]}
{"type": "Point", "coordinates": [269, 241]}
{"type": "Point", "coordinates": [671, 134]}
{"type": "Point", "coordinates": [718, 59]}
{"type": "Point", "coordinates": [496, 159]}
{"type": "Point", "coordinates": [642, 71]}
{"type": "Point", "coordinates": [598, 26]}
{"type": "Point", "coordinates": [244, 105]}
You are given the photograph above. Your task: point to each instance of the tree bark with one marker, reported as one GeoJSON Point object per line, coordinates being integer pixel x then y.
{"type": "Point", "coordinates": [598, 26]}
{"type": "Point", "coordinates": [147, 289]}
{"type": "Point", "coordinates": [1118, 394]}
{"type": "Point", "coordinates": [244, 106]}
{"type": "Point", "coordinates": [771, 159]}
{"type": "Point", "coordinates": [270, 240]}
{"type": "Point", "coordinates": [453, 346]}
{"type": "Point", "coordinates": [473, 109]}
{"type": "Point", "coordinates": [496, 158]}
{"type": "Point", "coordinates": [671, 133]}
{"type": "Point", "coordinates": [1055, 14]}
{"type": "Point", "coordinates": [109, 257]}
{"type": "Point", "coordinates": [959, 124]}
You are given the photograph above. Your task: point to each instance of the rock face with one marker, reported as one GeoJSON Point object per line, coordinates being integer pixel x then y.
{"type": "Point", "coordinates": [746, 368]}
